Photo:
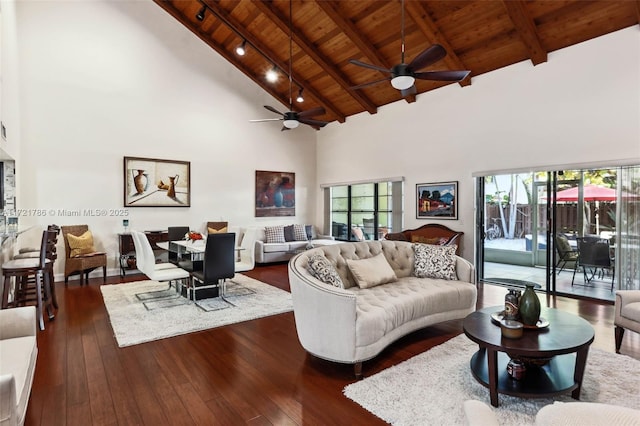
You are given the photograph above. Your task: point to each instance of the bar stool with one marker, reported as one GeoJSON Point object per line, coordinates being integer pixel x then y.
{"type": "Point", "coordinates": [32, 280]}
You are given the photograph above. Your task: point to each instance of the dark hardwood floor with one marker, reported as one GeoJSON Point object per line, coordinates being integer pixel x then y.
{"type": "Point", "coordinates": [254, 372]}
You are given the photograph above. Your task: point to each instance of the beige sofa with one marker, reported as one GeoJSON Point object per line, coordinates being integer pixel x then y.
{"type": "Point", "coordinates": [352, 325]}
{"type": "Point", "coordinates": [18, 353]}
{"type": "Point", "coordinates": [266, 252]}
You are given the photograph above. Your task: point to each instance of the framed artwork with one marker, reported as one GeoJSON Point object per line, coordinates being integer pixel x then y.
{"type": "Point", "coordinates": [275, 193]}
{"type": "Point", "coordinates": [149, 182]}
{"type": "Point", "coordinates": [437, 200]}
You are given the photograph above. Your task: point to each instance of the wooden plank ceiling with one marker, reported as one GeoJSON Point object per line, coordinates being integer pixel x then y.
{"type": "Point", "coordinates": [478, 35]}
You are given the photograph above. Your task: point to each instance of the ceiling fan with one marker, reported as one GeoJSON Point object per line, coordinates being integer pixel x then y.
{"type": "Point", "coordinates": [292, 119]}
{"type": "Point", "coordinates": [403, 75]}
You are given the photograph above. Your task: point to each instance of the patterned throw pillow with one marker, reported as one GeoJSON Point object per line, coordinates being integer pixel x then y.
{"type": "Point", "coordinates": [299, 233]}
{"type": "Point", "coordinates": [433, 261]}
{"type": "Point", "coordinates": [288, 233]}
{"type": "Point", "coordinates": [81, 245]}
{"type": "Point", "coordinates": [320, 267]}
{"type": "Point", "coordinates": [274, 234]}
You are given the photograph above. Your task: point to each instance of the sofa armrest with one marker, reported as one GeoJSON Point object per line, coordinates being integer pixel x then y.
{"type": "Point", "coordinates": [8, 401]}
{"type": "Point", "coordinates": [259, 251]}
{"type": "Point", "coordinates": [465, 271]}
{"type": "Point", "coordinates": [17, 322]}
{"type": "Point", "coordinates": [325, 316]}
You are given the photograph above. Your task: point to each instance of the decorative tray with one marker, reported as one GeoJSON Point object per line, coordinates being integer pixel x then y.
{"type": "Point", "coordinates": [542, 322]}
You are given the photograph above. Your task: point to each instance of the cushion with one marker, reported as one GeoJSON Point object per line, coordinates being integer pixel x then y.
{"type": "Point", "coordinates": [434, 261]}
{"type": "Point", "coordinates": [274, 234]}
{"type": "Point", "coordinates": [80, 245]}
{"type": "Point", "coordinates": [311, 232]}
{"type": "Point", "coordinates": [217, 231]}
{"type": "Point", "coordinates": [288, 233]}
{"type": "Point", "coordinates": [320, 267]}
{"type": "Point", "coordinates": [372, 271]}
{"type": "Point", "coordinates": [357, 233]}
{"type": "Point", "coordinates": [299, 233]}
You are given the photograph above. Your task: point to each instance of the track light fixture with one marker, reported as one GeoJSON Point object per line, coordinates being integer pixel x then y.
{"type": "Point", "coordinates": [272, 75]}
{"type": "Point", "coordinates": [200, 15]}
{"type": "Point", "coordinates": [300, 98]}
{"type": "Point", "coordinates": [241, 50]}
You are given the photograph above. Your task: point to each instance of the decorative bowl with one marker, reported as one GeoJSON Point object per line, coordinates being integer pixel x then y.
{"type": "Point", "coordinates": [511, 329]}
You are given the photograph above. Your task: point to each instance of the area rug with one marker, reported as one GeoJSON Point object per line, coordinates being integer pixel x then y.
{"type": "Point", "coordinates": [133, 323]}
{"type": "Point", "coordinates": [430, 388]}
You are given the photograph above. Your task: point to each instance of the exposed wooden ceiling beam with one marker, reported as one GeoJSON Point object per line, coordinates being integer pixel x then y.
{"type": "Point", "coordinates": [419, 15]}
{"type": "Point", "coordinates": [526, 28]}
{"type": "Point", "coordinates": [242, 32]}
{"type": "Point", "coordinates": [307, 47]}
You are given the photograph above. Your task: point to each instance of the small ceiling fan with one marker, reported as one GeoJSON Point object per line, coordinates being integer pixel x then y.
{"type": "Point", "coordinates": [403, 75]}
{"type": "Point", "coordinates": [292, 119]}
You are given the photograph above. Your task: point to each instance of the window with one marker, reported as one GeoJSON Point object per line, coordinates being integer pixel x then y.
{"type": "Point", "coordinates": [365, 211]}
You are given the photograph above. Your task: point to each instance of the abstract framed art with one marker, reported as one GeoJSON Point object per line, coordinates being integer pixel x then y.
{"type": "Point", "coordinates": [149, 182]}
{"type": "Point", "coordinates": [275, 193]}
{"type": "Point", "coordinates": [437, 200]}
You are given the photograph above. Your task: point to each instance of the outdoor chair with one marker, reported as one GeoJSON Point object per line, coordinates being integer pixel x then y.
{"type": "Point", "coordinates": [565, 252]}
{"type": "Point", "coordinates": [594, 255]}
{"type": "Point", "coordinates": [369, 228]}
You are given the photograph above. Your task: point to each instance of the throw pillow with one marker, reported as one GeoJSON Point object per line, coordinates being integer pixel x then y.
{"type": "Point", "coordinates": [372, 271]}
{"type": "Point", "coordinates": [217, 231]}
{"type": "Point", "coordinates": [80, 245]}
{"type": "Point", "coordinates": [357, 233]}
{"type": "Point", "coordinates": [433, 261]}
{"type": "Point", "coordinates": [299, 233]}
{"type": "Point", "coordinates": [320, 267]}
{"type": "Point", "coordinates": [288, 233]}
{"type": "Point", "coordinates": [274, 234]}
{"type": "Point", "coordinates": [311, 232]}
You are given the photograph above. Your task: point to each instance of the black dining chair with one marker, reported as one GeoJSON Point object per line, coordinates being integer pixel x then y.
{"type": "Point", "coordinates": [594, 255]}
{"type": "Point", "coordinates": [218, 265]}
{"type": "Point", "coordinates": [177, 233]}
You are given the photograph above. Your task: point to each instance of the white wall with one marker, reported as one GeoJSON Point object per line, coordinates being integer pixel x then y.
{"type": "Point", "coordinates": [580, 107]}
{"type": "Point", "coordinates": [101, 80]}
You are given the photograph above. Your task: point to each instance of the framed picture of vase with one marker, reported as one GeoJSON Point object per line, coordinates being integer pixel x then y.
{"type": "Point", "coordinates": [437, 200]}
{"type": "Point", "coordinates": [149, 182]}
{"type": "Point", "coordinates": [275, 193]}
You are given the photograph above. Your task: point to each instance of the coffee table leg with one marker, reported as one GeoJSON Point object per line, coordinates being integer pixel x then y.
{"type": "Point", "coordinates": [492, 361]}
{"type": "Point", "coordinates": [581, 360]}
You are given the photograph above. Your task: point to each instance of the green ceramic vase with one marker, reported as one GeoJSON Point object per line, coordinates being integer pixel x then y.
{"type": "Point", "coordinates": [529, 308]}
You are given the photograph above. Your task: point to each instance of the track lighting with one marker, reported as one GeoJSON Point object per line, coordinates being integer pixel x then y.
{"type": "Point", "coordinates": [241, 49]}
{"type": "Point", "coordinates": [200, 15]}
{"type": "Point", "coordinates": [272, 75]}
{"type": "Point", "coordinates": [300, 98]}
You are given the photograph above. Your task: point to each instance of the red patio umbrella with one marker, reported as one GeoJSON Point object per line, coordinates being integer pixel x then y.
{"type": "Point", "coordinates": [590, 192]}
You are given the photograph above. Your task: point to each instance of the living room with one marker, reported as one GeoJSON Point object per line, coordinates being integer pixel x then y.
{"type": "Point", "coordinates": [85, 84]}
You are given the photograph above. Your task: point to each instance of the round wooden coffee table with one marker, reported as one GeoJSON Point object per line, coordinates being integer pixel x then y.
{"type": "Point", "coordinates": [555, 356]}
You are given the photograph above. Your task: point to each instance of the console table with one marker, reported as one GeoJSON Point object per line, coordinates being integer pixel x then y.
{"type": "Point", "coordinates": [127, 255]}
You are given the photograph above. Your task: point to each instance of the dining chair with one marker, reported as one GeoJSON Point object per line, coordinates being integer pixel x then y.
{"type": "Point", "coordinates": [218, 265]}
{"type": "Point", "coordinates": [162, 272]}
{"type": "Point", "coordinates": [81, 256]}
{"type": "Point", "coordinates": [219, 227]}
{"type": "Point", "coordinates": [246, 259]}
{"type": "Point", "coordinates": [594, 255]}
{"type": "Point", "coordinates": [176, 233]}
{"type": "Point", "coordinates": [29, 280]}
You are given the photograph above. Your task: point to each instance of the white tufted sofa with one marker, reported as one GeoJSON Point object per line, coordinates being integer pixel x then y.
{"type": "Point", "coordinates": [352, 325]}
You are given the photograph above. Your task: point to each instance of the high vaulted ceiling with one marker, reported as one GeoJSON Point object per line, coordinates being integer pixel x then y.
{"type": "Point", "coordinates": [478, 35]}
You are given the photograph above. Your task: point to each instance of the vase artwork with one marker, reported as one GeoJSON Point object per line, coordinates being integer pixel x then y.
{"type": "Point", "coordinates": [140, 182]}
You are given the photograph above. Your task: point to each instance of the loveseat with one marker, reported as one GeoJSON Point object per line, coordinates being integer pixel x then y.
{"type": "Point", "coordinates": [278, 244]}
{"type": "Point", "coordinates": [354, 320]}
{"type": "Point", "coordinates": [18, 353]}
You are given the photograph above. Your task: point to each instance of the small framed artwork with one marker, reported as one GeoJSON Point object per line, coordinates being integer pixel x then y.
{"type": "Point", "coordinates": [150, 182]}
{"type": "Point", "coordinates": [275, 193]}
{"type": "Point", "coordinates": [437, 200]}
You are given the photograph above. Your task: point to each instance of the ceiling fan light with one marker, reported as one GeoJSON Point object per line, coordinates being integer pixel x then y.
{"type": "Point", "coordinates": [291, 124]}
{"type": "Point", "coordinates": [402, 82]}
{"type": "Point", "coordinates": [300, 98]}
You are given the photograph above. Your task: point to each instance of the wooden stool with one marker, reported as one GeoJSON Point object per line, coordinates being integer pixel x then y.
{"type": "Point", "coordinates": [32, 280]}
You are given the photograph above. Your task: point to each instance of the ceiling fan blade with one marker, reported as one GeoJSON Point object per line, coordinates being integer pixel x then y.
{"type": "Point", "coordinates": [272, 109]}
{"type": "Point", "coordinates": [363, 64]}
{"type": "Point", "coordinates": [266, 119]}
{"type": "Point", "coordinates": [410, 91]}
{"type": "Point", "coordinates": [371, 83]}
{"type": "Point", "coordinates": [314, 122]}
{"type": "Point", "coordinates": [442, 75]}
{"type": "Point", "coordinates": [311, 112]}
{"type": "Point", "coordinates": [427, 57]}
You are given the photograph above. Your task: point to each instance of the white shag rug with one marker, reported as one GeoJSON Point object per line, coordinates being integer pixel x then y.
{"type": "Point", "coordinates": [429, 388]}
{"type": "Point", "coordinates": [133, 323]}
